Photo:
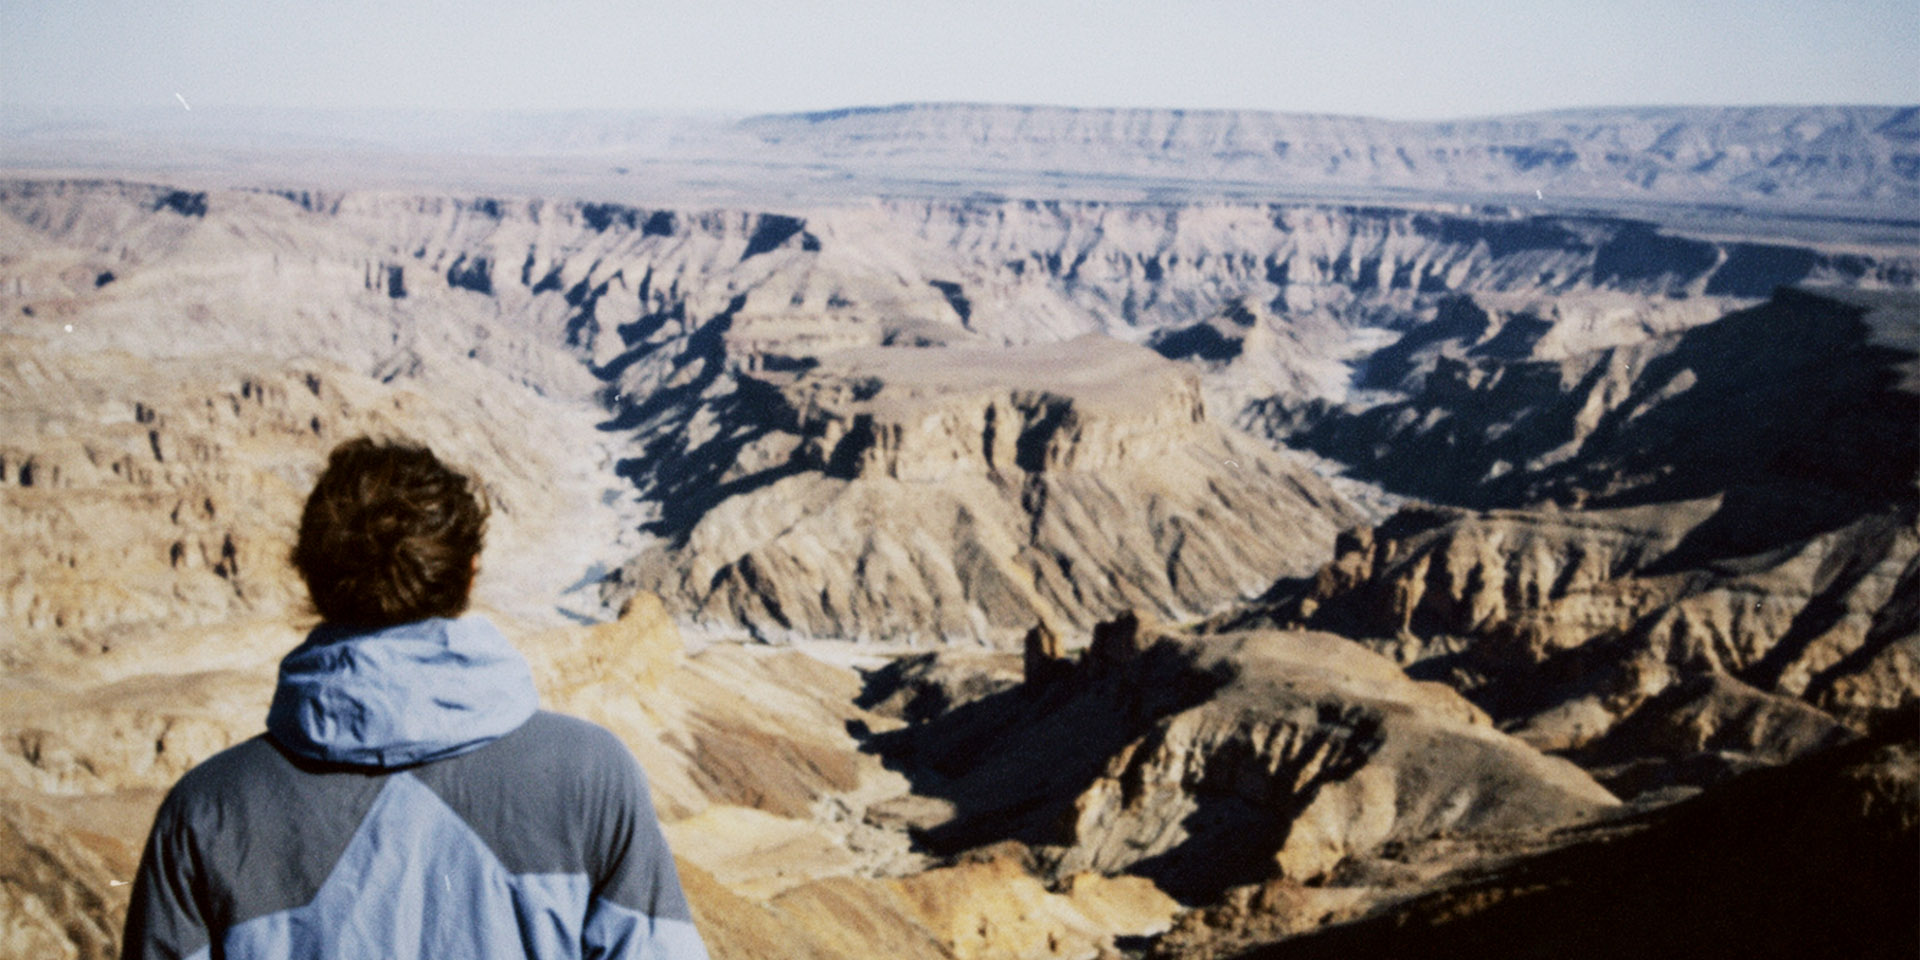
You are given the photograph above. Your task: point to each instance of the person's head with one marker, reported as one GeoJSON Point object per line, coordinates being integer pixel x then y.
{"type": "Point", "coordinates": [389, 535]}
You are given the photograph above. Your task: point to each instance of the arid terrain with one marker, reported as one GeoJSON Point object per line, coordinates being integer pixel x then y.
{"type": "Point", "coordinates": [1030, 533]}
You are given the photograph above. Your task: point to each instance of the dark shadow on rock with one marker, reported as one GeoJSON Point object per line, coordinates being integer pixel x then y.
{"type": "Point", "coordinates": [769, 232]}
{"type": "Point", "coordinates": [1638, 253]}
{"type": "Point", "coordinates": [183, 202]}
{"type": "Point", "coordinates": [1011, 764]}
{"type": "Point", "coordinates": [1817, 858]}
{"type": "Point", "coordinates": [1243, 812]}
{"type": "Point", "coordinates": [1516, 339]}
{"type": "Point", "coordinates": [1795, 411]}
{"type": "Point", "coordinates": [956, 298]}
{"type": "Point", "coordinates": [1459, 320]}
{"type": "Point", "coordinates": [706, 346]}
{"type": "Point", "coordinates": [924, 686]}
{"type": "Point", "coordinates": [682, 474]}
{"type": "Point", "coordinates": [686, 478]}
{"type": "Point", "coordinates": [635, 337]}
{"type": "Point", "coordinates": [1755, 269]}
{"type": "Point", "coordinates": [1198, 342]}
{"type": "Point", "coordinates": [474, 274]}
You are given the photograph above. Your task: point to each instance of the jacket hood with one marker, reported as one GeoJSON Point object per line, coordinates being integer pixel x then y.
{"type": "Point", "coordinates": [400, 695]}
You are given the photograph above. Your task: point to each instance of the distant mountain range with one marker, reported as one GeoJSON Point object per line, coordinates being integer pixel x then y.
{"type": "Point", "coordinates": [1795, 154]}
{"type": "Point", "coordinates": [1845, 160]}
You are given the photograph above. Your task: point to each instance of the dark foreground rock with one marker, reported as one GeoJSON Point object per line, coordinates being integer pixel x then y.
{"type": "Point", "coordinates": [1817, 858]}
{"type": "Point", "coordinates": [1205, 763]}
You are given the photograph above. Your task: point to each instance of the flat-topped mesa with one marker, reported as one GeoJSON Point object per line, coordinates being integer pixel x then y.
{"type": "Point", "coordinates": [920, 415]}
{"type": "Point", "coordinates": [962, 493]}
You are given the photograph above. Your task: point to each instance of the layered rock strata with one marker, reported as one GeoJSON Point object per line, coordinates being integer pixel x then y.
{"type": "Point", "coordinates": [1817, 391]}
{"type": "Point", "coordinates": [964, 493]}
{"type": "Point", "coordinates": [1749, 490]}
{"type": "Point", "coordinates": [178, 360]}
{"type": "Point", "coordinates": [673, 322]}
{"type": "Point", "coordinates": [1202, 763]}
{"type": "Point", "coordinates": [1560, 624]}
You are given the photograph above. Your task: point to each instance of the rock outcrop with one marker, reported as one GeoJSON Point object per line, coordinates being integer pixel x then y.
{"type": "Point", "coordinates": [1817, 858]}
{"type": "Point", "coordinates": [1561, 623]}
{"type": "Point", "coordinates": [1818, 391]}
{"type": "Point", "coordinates": [963, 493]}
{"type": "Point", "coordinates": [952, 419]}
{"type": "Point", "coordinates": [671, 323]}
{"type": "Point", "coordinates": [148, 497]}
{"type": "Point", "coordinates": [1203, 763]}
{"type": "Point", "coordinates": [1749, 491]}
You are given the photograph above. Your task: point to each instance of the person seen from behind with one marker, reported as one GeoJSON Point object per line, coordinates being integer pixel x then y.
{"type": "Point", "coordinates": [409, 800]}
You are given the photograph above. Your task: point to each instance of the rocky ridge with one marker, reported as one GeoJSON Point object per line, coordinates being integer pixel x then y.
{"type": "Point", "coordinates": [1812, 388]}
{"type": "Point", "coordinates": [1748, 501]}
{"type": "Point", "coordinates": [1206, 763]}
{"type": "Point", "coordinates": [1853, 161]}
{"type": "Point", "coordinates": [1806, 155]}
{"type": "Point", "coordinates": [852, 353]}
{"type": "Point", "coordinates": [958, 493]}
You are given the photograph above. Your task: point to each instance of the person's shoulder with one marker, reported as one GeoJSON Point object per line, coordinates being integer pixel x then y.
{"type": "Point", "coordinates": [556, 749]}
{"type": "Point", "coordinates": [577, 736]}
{"type": "Point", "coordinates": [245, 768]}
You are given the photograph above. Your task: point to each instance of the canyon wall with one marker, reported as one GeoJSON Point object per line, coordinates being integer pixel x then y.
{"type": "Point", "coordinates": [663, 327]}
{"type": "Point", "coordinates": [1663, 535]}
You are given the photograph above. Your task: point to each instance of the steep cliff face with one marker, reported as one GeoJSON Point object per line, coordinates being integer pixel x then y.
{"type": "Point", "coordinates": [1206, 763]}
{"type": "Point", "coordinates": [1749, 492]}
{"type": "Point", "coordinates": [1567, 621]}
{"type": "Point", "coordinates": [148, 496]}
{"type": "Point", "coordinates": [947, 420]}
{"type": "Point", "coordinates": [967, 492]}
{"type": "Point", "coordinates": [1810, 389]}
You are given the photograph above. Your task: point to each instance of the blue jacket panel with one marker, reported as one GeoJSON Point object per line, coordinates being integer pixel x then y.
{"type": "Point", "coordinates": [535, 841]}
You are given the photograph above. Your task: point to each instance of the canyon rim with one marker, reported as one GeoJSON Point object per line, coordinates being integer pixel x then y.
{"type": "Point", "coordinates": [1028, 532]}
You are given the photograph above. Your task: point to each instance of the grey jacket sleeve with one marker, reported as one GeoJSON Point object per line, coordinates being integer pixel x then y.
{"type": "Point", "coordinates": [165, 921]}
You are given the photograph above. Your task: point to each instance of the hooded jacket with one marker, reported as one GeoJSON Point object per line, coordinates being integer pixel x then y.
{"type": "Point", "coordinates": [410, 801]}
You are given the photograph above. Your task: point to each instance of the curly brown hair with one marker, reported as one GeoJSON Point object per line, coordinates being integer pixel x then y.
{"type": "Point", "coordinates": [389, 535]}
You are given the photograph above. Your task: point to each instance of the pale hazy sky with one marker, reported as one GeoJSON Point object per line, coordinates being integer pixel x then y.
{"type": "Point", "coordinates": [1390, 58]}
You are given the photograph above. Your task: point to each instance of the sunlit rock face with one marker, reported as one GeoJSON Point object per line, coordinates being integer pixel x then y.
{"type": "Point", "coordinates": [1207, 763]}
{"type": "Point", "coordinates": [672, 331]}
{"type": "Point", "coordinates": [957, 421]}
{"type": "Point", "coordinates": [1733, 504]}
{"type": "Point", "coordinates": [958, 493]}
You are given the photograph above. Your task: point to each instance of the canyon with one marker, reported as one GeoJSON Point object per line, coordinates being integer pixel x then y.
{"type": "Point", "coordinates": [1116, 541]}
